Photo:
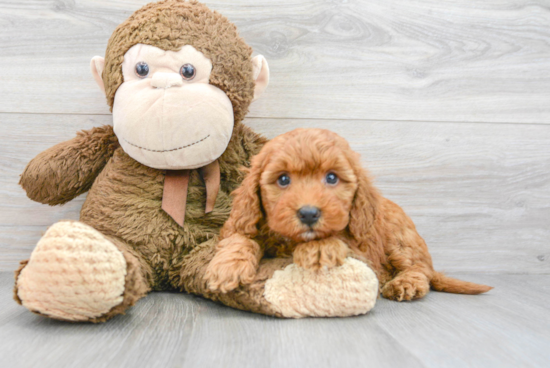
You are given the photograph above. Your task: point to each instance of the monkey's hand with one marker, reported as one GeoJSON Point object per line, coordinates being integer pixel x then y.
{"type": "Point", "coordinates": [68, 169]}
{"type": "Point", "coordinates": [316, 254]}
{"type": "Point", "coordinates": [235, 263]}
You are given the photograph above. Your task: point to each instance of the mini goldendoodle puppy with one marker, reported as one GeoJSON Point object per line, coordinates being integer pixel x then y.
{"type": "Point", "coordinates": [306, 194]}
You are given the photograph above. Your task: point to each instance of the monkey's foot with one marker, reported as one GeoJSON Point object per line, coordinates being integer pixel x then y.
{"type": "Point", "coordinates": [349, 290]}
{"type": "Point", "coordinates": [74, 274]}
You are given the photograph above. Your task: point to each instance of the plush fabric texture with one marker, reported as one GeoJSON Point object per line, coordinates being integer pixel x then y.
{"type": "Point", "coordinates": [260, 74]}
{"type": "Point", "coordinates": [348, 290]}
{"type": "Point", "coordinates": [236, 261]}
{"type": "Point", "coordinates": [207, 31]}
{"type": "Point", "coordinates": [122, 226]}
{"type": "Point", "coordinates": [178, 124]}
{"type": "Point", "coordinates": [68, 169]}
{"type": "Point", "coordinates": [249, 297]}
{"type": "Point", "coordinates": [74, 273]}
{"type": "Point", "coordinates": [125, 202]}
{"type": "Point", "coordinates": [124, 205]}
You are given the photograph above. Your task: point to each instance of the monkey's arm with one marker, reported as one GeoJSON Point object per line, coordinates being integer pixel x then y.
{"type": "Point", "coordinates": [68, 169]}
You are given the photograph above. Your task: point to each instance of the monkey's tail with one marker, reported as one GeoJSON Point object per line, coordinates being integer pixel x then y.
{"type": "Point", "coordinates": [440, 282]}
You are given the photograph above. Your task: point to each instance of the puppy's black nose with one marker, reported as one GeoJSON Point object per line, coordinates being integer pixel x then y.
{"type": "Point", "coordinates": [309, 215]}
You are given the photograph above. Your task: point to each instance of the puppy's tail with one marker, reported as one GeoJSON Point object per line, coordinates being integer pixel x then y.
{"type": "Point", "coordinates": [440, 282]}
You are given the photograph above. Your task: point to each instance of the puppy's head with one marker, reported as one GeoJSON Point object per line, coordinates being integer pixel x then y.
{"type": "Point", "coordinates": [308, 184]}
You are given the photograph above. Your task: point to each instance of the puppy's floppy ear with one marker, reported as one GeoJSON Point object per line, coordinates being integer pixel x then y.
{"type": "Point", "coordinates": [246, 211]}
{"type": "Point", "coordinates": [365, 205]}
{"type": "Point", "coordinates": [366, 224]}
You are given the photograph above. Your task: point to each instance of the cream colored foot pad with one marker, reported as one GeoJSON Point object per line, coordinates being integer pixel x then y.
{"type": "Point", "coordinates": [348, 290]}
{"type": "Point", "coordinates": [74, 273]}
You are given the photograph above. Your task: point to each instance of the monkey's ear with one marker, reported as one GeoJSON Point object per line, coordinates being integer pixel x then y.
{"type": "Point", "coordinates": [96, 65]}
{"type": "Point", "coordinates": [260, 74]}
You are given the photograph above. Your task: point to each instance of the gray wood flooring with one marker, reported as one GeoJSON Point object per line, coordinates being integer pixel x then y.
{"type": "Point", "coordinates": [509, 327]}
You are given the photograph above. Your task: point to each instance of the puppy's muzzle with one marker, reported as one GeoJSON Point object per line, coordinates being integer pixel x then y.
{"type": "Point", "coordinates": [309, 215]}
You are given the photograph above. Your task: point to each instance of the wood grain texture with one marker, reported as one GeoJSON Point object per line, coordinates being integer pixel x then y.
{"type": "Point", "coordinates": [478, 193]}
{"type": "Point", "coordinates": [506, 328]}
{"type": "Point", "coordinates": [448, 104]}
{"type": "Point", "coordinates": [416, 60]}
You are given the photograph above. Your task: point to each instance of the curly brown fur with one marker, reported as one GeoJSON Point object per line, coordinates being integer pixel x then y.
{"type": "Point", "coordinates": [124, 203]}
{"type": "Point", "coordinates": [236, 261]}
{"type": "Point", "coordinates": [353, 213]}
{"type": "Point", "coordinates": [316, 254]}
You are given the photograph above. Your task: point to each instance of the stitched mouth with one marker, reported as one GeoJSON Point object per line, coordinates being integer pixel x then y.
{"type": "Point", "coordinates": [168, 150]}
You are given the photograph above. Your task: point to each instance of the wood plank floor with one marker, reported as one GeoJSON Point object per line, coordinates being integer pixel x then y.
{"type": "Point", "coordinates": [509, 327]}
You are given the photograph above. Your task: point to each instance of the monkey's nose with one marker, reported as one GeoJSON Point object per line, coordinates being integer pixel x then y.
{"type": "Point", "coordinates": [166, 80]}
{"type": "Point", "coordinates": [309, 215]}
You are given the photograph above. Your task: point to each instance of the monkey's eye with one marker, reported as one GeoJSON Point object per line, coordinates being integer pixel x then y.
{"type": "Point", "coordinates": [187, 71]}
{"type": "Point", "coordinates": [283, 181]}
{"type": "Point", "coordinates": [331, 178]}
{"type": "Point", "coordinates": [142, 69]}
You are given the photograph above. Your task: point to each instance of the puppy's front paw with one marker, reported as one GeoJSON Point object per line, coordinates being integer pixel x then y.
{"type": "Point", "coordinates": [307, 255]}
{"type": "Point", "coordinates": [406, 286]}
{"type": "Point", "coordinates": [235, 262]}
{"type": "Point", "coordinates": [314, 255]}
{"type": "Point", "coordinates": [226, 274]}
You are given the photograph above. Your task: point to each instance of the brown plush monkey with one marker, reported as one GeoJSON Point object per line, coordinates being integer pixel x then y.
{"type": "Point", "coordinates": [179, 81]}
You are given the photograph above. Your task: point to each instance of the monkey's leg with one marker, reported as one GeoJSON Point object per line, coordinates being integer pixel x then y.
{"type": "Point", "coordinates": [283, 289]}
{"type": "Point", "coordinates": [75, 273]}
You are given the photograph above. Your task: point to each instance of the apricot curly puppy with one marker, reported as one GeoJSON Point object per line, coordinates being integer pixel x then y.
{"type": "Point", "coordinates": [307, 193]}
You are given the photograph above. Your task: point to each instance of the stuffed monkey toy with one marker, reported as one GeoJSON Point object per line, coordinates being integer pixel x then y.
{"type": "Point", "coordinates": [179, 81]}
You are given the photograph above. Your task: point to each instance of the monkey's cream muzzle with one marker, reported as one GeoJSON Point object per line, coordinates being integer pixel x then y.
{"type": "Point", "coordinates": [166, 121]}
{"type": "Point", "coordinates": [166, 80]}
{"type": "Point", "coordinates": [168, 116]}
{"type": "Point", "coordinates": [172, 126]}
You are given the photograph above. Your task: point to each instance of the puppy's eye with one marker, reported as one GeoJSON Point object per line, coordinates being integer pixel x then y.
{"type": "Point", "coordinates": [188, 71]}
{"type": "Point", "coordinates": [283, 181]}
{"type": "Point", "coordinates": [331, 179]}
{"type": "Point", "coordinates": [142, 69]}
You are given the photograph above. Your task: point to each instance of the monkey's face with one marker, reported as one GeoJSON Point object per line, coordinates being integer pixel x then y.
{"type": "Point", "coordinates": [177, 77]}
{"type": "Point", "coordinates": [166, 114]}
